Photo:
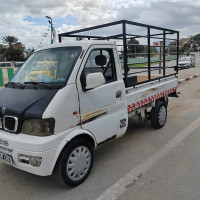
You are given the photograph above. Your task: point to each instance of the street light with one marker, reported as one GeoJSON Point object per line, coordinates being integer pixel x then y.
{"type": "Point", "coordinates": [50, 19]}
{"type": "Point", "coordinates": [50, 22]}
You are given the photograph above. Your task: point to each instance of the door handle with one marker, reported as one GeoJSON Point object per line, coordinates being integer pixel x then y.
{"type": "Point", "coordinates": [119, 94]}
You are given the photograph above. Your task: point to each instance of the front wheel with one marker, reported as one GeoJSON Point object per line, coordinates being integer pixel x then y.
{"type": "Point", "coordinates": [75, 163]}
{"type": "Point", "coordinates": [159, 115]}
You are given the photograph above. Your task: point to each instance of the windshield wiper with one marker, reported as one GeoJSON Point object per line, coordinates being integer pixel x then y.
{"type": "Point", "coordinates": [21, 86]}
{"type": "Point", "coordinates": [44, 84]}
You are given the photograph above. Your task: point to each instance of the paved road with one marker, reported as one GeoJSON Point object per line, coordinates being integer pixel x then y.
{"type": "Point", "coordinates": [172, 173]}
{"type": "Point", "coordinates": [145, 164]}
{"type": "Point", "coordinates": [168, 70]}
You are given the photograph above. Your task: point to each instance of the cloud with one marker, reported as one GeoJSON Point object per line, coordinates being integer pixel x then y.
{"type": "Point", "coordinates": [182, 15]}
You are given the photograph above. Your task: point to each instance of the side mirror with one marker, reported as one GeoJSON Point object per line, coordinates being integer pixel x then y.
{"type": "Point", "coordinates": [94, 80]}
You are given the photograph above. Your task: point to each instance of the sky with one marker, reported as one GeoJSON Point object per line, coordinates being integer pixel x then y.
{"type": "Point", "coordinates": [26, 19]}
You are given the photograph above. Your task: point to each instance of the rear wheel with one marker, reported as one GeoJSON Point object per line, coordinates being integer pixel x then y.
{"type": "Point", "coordinates": [75, 163]}
{"type": "Point", "coordinates": [159, 115]}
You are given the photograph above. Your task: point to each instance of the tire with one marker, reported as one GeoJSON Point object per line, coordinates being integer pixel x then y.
{"type": "Point", "coordinates": [159, 115]}
{"type": "Point", "coordinates": [73, 167]}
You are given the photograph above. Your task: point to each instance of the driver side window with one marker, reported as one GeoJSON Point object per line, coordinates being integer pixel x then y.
{"type": "Point", "coordinates": [100, 60]}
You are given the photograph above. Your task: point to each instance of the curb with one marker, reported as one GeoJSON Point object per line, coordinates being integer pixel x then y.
{"type": "Point", "coordinates": [188, 78]}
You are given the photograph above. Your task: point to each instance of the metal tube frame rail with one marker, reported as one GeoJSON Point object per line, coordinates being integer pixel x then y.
{"type": "Point", "coordinates": [124, 36]}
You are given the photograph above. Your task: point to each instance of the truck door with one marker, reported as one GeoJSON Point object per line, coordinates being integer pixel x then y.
{"type": "Point", "coordinates": [102, 108]}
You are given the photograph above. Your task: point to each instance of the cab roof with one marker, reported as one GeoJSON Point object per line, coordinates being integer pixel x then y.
{"type": "Point", "coordinates": [85, 44]}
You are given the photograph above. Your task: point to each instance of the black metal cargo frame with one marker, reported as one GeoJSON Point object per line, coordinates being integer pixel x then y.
{"type": "Point", "coordinates": [124, 37]}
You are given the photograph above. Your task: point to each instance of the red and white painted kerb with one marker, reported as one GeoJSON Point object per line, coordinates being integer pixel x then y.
{"type": "Point", "coordinates": [150, 99]}
{"type": "Point", "coordinates": [188, 78]}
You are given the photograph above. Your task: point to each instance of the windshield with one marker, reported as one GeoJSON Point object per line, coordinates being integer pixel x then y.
{"type": "Point", "coordinates": [49, 66]}
{"type": "Point", "coordinates": [184, 59]}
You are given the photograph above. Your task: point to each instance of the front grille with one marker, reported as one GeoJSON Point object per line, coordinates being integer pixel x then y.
{"type": "Point", "coordinates": [4, 142]}
{"type": "Point", "coordinates": [5, 150]}
{"type": "Point", "coordinates": [10, 123]}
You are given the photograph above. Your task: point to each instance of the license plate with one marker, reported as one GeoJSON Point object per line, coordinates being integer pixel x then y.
{"type": "Point", "coordinates": [6, 158]}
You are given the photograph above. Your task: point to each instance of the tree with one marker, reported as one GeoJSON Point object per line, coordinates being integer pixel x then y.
{"type": "Point", "coordinates": [196, 39]}
{"type": "Point", "coordinates": [186, 47]}
{"type": "Point", "coordinates": [10, 40]}
{"type": "Point", "coordinates": [1, 52]}
{"type": "Point", "coordinates": [14, 50]}
{"type": "Point", "coordinates": [134, 47]}
{"type": "Point", "coordinates": [29, 52]}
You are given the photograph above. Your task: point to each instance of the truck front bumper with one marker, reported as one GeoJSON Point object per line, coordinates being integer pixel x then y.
{"type": "Point", "coordinates": [36, 155]}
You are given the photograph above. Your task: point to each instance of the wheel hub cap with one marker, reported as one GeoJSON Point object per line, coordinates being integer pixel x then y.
{"type": "Point", "coordinates": [78, 163]}
{"type": "Point", "coordinates": [162, 115]}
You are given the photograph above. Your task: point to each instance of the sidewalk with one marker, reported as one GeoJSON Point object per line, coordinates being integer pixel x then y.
{"type": "Point", "coordinates": [188, 72]}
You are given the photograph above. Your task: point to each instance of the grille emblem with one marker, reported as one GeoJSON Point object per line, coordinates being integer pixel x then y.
{"type": "Point", "coordinates": [3, 110]}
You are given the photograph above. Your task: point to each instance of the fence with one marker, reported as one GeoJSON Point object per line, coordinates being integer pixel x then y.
{"type": "Point", "coordinates": [6, 75]}
{"type": "Point", "coordinates": [153, 59]}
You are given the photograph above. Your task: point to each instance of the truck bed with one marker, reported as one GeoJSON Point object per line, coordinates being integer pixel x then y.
{"type": "Point", "coordinates": [141, 95]}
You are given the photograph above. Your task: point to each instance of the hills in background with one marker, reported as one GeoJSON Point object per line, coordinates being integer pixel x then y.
{"type": "Point", "coordinates": [190, 44]}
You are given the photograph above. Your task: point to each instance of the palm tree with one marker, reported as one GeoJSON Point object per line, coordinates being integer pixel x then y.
{"type": "Point", "coordinates": [12, 52]}
{"type": "Point", "coordinates": [10, 40]}
{"type": "Point", "coordinates": [1, 52]}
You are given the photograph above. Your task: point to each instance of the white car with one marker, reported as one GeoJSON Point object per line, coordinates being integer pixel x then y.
{"type": "Point", "coordinates": [186, 62]}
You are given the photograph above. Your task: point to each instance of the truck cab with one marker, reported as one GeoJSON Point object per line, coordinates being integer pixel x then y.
{"type": "Point", "coordinates": [43, 114]}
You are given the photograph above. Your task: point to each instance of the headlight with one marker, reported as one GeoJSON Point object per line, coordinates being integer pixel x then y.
{"type": "Point", "coordinates": [38, 127]}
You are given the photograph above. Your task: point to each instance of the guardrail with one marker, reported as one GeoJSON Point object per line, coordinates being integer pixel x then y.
{"type": "Point", "coordinates": [6, 74]}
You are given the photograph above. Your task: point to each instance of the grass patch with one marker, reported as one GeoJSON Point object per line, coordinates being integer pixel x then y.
{"type": "Point", "coordinates": [142, 64]}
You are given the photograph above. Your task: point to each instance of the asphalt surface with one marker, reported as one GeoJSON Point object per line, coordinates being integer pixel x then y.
{"type": "Point", "coordinates": [169, 69]}
{"type": "Point", "coordinates": [145, 164]}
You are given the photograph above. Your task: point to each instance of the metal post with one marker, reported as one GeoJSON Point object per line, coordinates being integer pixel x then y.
{"type": "Point", "coordinates": [51, 24]}
{"type": "Point", "coordinates": [59, 38]}
{"type": "Point", "coordinates": [177, 42]}
{"type": "Point", "coordinates": [164, 52]}
{"type": "Point", "coordinates": [149, 52]}
{"type": "Point", "coordinates": [51, 32]}
{"type": "Point", "coordinates": [160, 56]}
{"type": "Point", "coordinates": [125, 53]}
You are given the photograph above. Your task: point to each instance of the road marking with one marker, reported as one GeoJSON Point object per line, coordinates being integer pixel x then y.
{"type": "Point", "coordinates": [131, 177]}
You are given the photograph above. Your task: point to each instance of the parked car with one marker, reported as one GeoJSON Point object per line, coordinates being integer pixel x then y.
{"type": "Point", "coordinates": [186, 62]}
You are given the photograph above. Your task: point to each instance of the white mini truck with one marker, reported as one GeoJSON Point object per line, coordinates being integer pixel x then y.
{"type": "Point", "coordinates": [51, 123]}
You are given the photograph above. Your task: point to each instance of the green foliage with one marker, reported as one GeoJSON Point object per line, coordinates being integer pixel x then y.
{"type": "Point", "coordinates": [134, 47]}
{"type": "Point", "coordinates": [29, 53]}
{"type": "Point", "coordinates": [192, 45]}
{"type": "Point", "coordinates": [1, 51]}
{"type": "Point", "coordinates": [12, 52]}
{"type": "Point", "coordinates": [10, 40]}
{"type": "Point", "coordinates": [196, 39]}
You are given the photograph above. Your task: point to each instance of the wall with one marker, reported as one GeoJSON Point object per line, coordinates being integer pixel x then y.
{"type": "Point", "coordinates": [6, 74]}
